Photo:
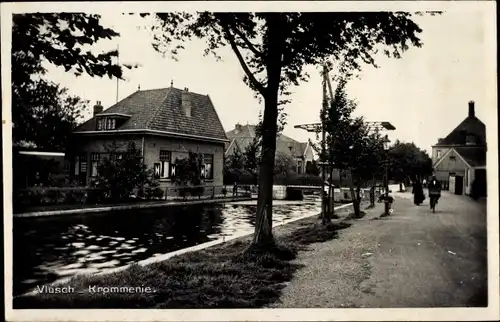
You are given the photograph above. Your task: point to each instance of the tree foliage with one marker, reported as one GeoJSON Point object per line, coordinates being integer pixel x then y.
{"type": "Point", "coordinates": [283, 164]}
{"type": "Point", "coordinates": [121, 177]}
{"type": "Point", "coordinates": [60, 39]}
{"type": "Point", "coordinates": [188, 170]}
{"type": "Point", "coordinates": [49, 117]}
{"type": "Point", "coordinates": [274, 47]}
{"type": "Point", "coordinates": [350, 146]}
{"type": "Point", "coordinates": [312, 168]}
{"type": "Point", "coordinates": [408, 162]}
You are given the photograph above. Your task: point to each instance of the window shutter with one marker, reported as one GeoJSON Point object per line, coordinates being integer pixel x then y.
{"type": "Point", "coordinates": [156, 170]}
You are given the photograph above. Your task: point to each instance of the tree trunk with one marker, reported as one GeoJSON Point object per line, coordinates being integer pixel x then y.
{"type": "Point", "coordinates": [372, 193]}
{"type": "Point", "coordinates": [331, 194]}
{"type": "Point", "coordinates": [356, 204]}
{"type": "Point", "coordinates": [355, 198]}
{"type": "Point", "coordinates": [264, 219]}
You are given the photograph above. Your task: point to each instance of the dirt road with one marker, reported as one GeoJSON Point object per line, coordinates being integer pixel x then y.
{"type": "Point", "coordinates": [413, 258]}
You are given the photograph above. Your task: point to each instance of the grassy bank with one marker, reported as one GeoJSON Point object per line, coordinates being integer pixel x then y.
{"type": "Point", "coordinates": [224, 276]}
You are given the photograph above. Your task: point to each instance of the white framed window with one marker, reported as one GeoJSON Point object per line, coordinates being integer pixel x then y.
{"type": "Point", "coordinates": [165, 159]}
{"type": "Point", "coordinates": [207, 171]}
{"type": "Point", "coordinates": [99, 124]}
{"type": "Point", "coordinates": [438, 154]}
{"type": "Point", "coordinates": [95, 158]}
{"type": "Point", "coordinates": [113, 124]}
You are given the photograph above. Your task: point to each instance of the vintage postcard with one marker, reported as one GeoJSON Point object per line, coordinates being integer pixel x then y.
{"type": "Point", "coordinates": [250, 161]}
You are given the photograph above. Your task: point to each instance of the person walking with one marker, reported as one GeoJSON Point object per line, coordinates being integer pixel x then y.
{"type": "Point", "coordinates": [418, 192]}
{"type": "Point", "coordinates": [235, 189]}
{"type": "Point", "coordinates": [434, 191]}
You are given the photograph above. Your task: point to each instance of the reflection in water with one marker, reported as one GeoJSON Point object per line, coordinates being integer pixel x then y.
{"type": "Point", "coordinates": [46, 249]}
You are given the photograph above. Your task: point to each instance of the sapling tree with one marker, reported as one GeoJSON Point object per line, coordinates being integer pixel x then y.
{"type": "Point", "coordinates": [273, 48]}
{"type": "Point", "coordinates": [350, 147]}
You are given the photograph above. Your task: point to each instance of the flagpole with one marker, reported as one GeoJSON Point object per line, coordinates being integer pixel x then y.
{"type": "Point", "coordinates": [118, 63]}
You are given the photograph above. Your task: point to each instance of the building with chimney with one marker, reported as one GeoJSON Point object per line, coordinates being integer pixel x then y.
{"type": "Point", "coordinates": [459, 159]}
{"type": "Point", "coordinates": [165, 124]}
{"type": "Point", "coordinates": [242, 136]}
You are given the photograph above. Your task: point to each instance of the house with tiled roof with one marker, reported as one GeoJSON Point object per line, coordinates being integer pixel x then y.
{"type": "Point", "coordinates": [459, 159]}
{"type": "Point", "coordinates": [242, 136]}
{"type": "Point", "coordinates": [165, 124]}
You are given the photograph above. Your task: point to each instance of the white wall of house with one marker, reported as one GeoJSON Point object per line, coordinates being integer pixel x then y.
{"type": "Point", "coordinates": [438, 152]}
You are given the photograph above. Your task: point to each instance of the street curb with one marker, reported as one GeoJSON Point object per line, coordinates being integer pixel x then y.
{"type": "Point", "coordinates": [51, 213]}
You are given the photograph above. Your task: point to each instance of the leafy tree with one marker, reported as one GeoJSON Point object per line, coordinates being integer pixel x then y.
{"type": "Point", "coordinates": [188, 170]}
{"type": "Point", "coordinates": [236, 161]}
{"type": "Point", "coordinates": [251, 158]}
{"type": "Point", "coordinates": [60, 39]}
{"type": "Point", "coordinates": [312, 168]}
{"type": "Point", "coordinates": [283, 164]}
{"type": "Point", "coordinates": [273, 48]}
{"type": "Point", "coordinates": [408, 162]}
{"type": "Point", "coordinates": [349, 144]}
{"type": "Point", "coordinates": [53, 114]}
{"type": "Point", "coordinates": [120, 177]}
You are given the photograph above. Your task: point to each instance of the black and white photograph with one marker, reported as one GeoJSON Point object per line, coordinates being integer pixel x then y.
{"type": "Point", "coordinates": [250, 161]}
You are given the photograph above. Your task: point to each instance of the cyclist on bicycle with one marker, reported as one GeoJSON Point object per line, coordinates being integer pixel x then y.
{"type": "Point", "coordinates": [434, 187]}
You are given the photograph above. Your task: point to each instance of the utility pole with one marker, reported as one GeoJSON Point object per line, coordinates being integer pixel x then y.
{"type": "Point", "coordinates": [118, 63]}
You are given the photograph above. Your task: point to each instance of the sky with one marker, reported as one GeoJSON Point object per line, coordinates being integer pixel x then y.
{"type": "Point", "coordinates": [424, 94]}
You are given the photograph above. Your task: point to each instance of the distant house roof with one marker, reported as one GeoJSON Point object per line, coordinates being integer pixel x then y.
{"type": "Point", "coordinates": [160, 111]}
{"type": "Point", "coordinates": [475, 157]}
{"type": "Point", "coordinates": [243, 135]}
{"type": "Point", "coordinates": [469, 126]}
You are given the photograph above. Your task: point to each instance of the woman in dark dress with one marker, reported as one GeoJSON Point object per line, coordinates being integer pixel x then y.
{"type": "Point", "coordinates": [418, 192]}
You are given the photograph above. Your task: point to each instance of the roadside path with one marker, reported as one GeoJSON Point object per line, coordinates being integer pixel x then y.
{"type": "Point", "coordinates": [413, 258]}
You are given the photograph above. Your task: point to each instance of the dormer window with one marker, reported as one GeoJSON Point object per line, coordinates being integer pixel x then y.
{"type": "Point", "coordinates": [107, 123]}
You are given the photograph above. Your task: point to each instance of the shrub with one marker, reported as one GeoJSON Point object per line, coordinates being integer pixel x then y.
{"type": "Point", "coordinates": [120, 177]}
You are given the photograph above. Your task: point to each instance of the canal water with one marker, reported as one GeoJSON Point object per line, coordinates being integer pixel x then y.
{"type": "Point", "coordinates": [51, 248]}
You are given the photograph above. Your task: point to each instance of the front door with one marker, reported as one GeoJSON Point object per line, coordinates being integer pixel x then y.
{"type": "Point", "coordinates": [459, 185]}
{"type": "Point", "coordinates": [480, 182]}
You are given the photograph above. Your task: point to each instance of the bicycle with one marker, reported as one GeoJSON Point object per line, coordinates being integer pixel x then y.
{"type": "Point", "coordinates": [433, 202]}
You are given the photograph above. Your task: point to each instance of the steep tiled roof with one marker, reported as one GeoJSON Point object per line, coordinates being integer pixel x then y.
{"type": "Point", "coordinates": [475, 156]}
{"type": "Point", "coordinates": [244, 134]}
{"type": "Point", "coordinates": [471, 125]}
{"type": "Point", "coordinates": [242, 131]}
{"type": "Point", "coordinates": [161, 110]}
{"type": "Point", "coordinates": [289, 145]}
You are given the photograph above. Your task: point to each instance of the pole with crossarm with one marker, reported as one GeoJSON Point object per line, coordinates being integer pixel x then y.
{"type": "Point", "coordinates": [315, 128]}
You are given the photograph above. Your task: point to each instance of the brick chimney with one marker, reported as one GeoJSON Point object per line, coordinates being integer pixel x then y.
{"type": "Point", "coordinates": [186, 102]}
{"type": "Point", "coordinates": [237, 128]}
{"type": "Point", "coordinates": [472, 113]}
{"type": "Point", "coordinates": [98, 108]}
